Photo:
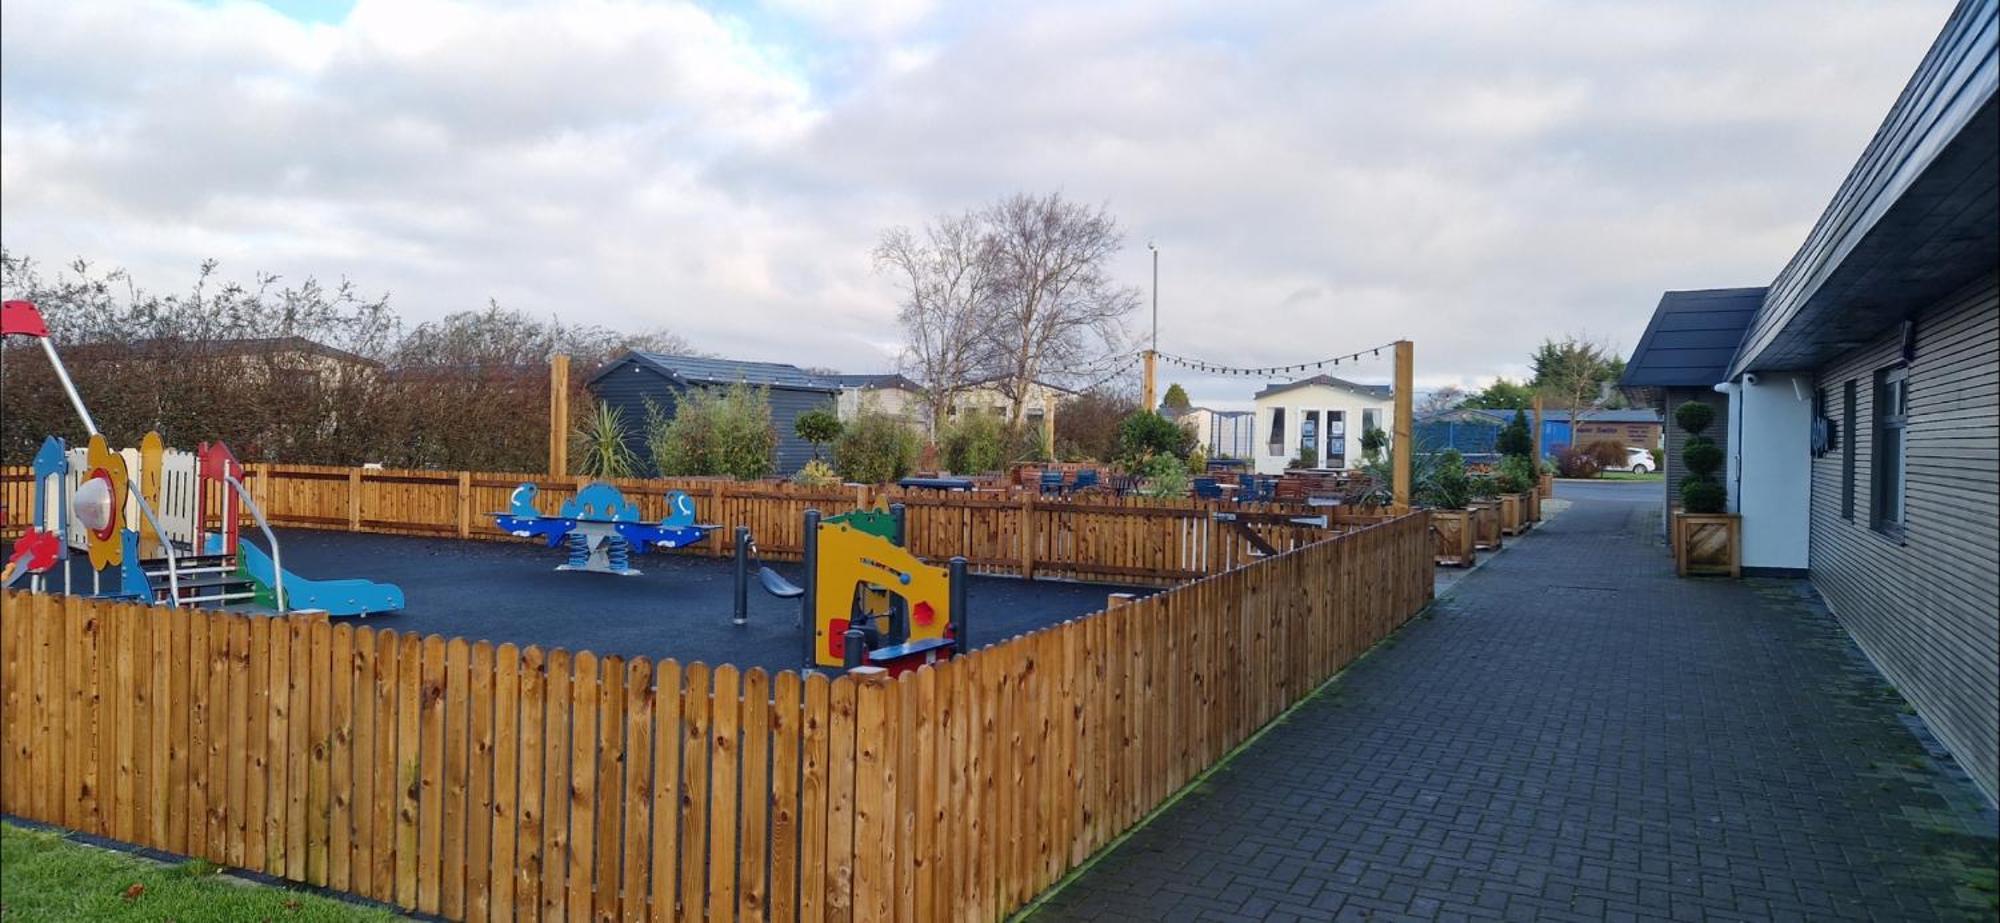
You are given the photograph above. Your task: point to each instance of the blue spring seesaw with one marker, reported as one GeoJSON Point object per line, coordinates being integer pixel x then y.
{"type": "Point", "coordinates": [601, 528]}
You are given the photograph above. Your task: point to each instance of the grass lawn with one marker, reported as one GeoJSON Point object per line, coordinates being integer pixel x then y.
{"type": "Point", "coordinates": [1629, 476]}
{"type": "Point", "coordinates": [45, 877]}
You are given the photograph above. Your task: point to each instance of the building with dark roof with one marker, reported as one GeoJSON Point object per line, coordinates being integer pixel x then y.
{"type": "Point", "coordinates": [631, 381]}
{"type": "Point", "coordinates": [1317, 422]}
{"type": "Point", "coordinates": [1860, 395]}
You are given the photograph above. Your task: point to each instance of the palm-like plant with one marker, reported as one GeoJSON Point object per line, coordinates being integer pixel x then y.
{"type": "Point", "coordinates": [600, 441]}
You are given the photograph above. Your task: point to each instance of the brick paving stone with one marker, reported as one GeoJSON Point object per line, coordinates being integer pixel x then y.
{"type": "Point", "coordinates": [1571, 732]}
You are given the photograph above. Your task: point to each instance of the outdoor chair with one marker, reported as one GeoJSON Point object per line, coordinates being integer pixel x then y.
{"type": "Point", "coordinates": [1207, 488]}
{"type": "Point", "coordinates": [1052, 481]}
{"type": "Point", "coordinates": [1085, 479]}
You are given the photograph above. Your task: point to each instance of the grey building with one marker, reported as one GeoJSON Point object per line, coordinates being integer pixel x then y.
{"type": "Point", "coordinates": [636, 378]}
{"type": "Point", "coordinates": [1863, 397]}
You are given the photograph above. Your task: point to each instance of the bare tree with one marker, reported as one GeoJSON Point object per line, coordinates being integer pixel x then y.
{"type": "Point", "coordinates": [1446, 398]}
{"type": "Point", "coordinates": [1056, 312]}
{"type": "Point", "coordinates": [946, 278]}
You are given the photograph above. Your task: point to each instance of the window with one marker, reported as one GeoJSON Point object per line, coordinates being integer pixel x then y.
{"type": "Point", "coordinates": [1892, 403]}
{"type": "Point", "coordinates": [1277, 442]}
{"type": "Point", "coordinates": [1370, 419]}
{"type": "Point", "coordinates": [1848, 437]}
{"type": "Point", "coordinates": [1309, 433]}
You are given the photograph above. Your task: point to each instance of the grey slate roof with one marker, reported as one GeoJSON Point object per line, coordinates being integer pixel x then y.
{"type": "Point", "coordinates": [1691, 338]}
{"type": "Point", "coordinates": [1381, 391]}
{"type": "Point", "coordinates": [703, 370]}
{"type": "Point", "coordinates": [872, 381]}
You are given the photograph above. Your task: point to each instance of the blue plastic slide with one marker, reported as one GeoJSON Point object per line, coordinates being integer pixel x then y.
{"type": "Point", "coordinates": [337, 597]}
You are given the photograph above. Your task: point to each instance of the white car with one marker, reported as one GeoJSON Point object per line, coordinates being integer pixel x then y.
{"type": "Point", "coordinates": [1637, 461]}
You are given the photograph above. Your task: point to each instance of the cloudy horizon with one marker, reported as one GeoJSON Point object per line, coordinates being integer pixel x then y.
{"type": "Point", "coordinates": [1319, 178]}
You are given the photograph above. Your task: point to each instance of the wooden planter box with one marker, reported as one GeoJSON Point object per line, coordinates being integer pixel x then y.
{"type": "Point", "coordinates": [1486, 525]}
{"type": "Point", "coordinates": [1548, 488]}
{"type": "Point", "coordinates": [1707, 544]}
{"type": "Point", "coordinates": [1531, 507]}
{"type": "Point", "coordinates": [1513, 513]}
{"type": "Point", "coordinates": [1452, 530]}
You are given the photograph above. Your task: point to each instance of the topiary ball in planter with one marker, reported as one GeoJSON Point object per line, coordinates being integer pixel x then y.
{"type": "Point", "coordinates": [1703, 459]}
{"type": "Point", "coordinates": [1694, 416]}
{"type": "Point", "coordinates": [1703, 497]}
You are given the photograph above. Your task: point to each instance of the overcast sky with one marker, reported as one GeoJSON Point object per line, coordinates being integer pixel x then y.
{"type": "Point", "coordinates": [1319, 176]}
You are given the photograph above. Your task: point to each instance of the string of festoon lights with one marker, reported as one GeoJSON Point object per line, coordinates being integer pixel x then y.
{"type": "Point", "coordinates": [1216, 368]}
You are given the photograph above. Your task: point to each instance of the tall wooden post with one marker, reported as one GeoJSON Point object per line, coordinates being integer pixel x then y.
{"type": "Point", "coordinates": [1149, 397]}
{"type": "Point", "coordinates": [558, 415]}
{"type": "Point", "coordinates": [1405, 436]}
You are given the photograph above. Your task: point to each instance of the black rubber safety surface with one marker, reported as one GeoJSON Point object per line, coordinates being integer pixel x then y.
{"type": "Point", "coordinates": [679, 607]}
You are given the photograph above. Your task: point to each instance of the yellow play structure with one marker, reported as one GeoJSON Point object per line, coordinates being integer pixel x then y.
{"type": "Point", "coordinates": [870, 602]}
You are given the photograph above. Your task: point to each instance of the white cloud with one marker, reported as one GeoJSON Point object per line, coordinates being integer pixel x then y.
{"type": "Point", "coordinates": [1320, 177]}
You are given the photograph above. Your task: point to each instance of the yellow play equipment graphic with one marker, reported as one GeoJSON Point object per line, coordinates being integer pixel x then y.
{"type": "Point", "coordinates": [850, 564]}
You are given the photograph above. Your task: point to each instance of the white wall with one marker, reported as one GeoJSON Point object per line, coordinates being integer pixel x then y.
{"type": "Point", "coordinates": [1770, 467]}
{"type": "Point", "coordinates": [1314, 397]}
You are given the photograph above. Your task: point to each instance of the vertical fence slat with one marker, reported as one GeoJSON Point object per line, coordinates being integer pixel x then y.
{"type": "Point", "coordinates": [555, 786]}
{"type": "Point", "coordinates": [724, 749]}
{"type": "Point", "coordinates": [637, 798]}
{"type": "Point", "coordinates": [528, 867]}
{"type": "Point", "coordinates": [694, 791]}
{"type": "Point", "coordinates": [340, 759]}
{"type": "Point", "coordinates": [506, 805]}
{"type": "Point", "coordinates": [479, 795]}
{"type": "Point", "coordinates": [814, 729]}
{"type": "Point", "coordinates": [667, 810]}
{"type": "Point", "coordinates": [610, 762]}
{"type": "Point", "coordinates": [783, 901]}
{"type": "Point", "coordinates": [753, 840]}
{"type": "Point", "coordinates": [582, 784]}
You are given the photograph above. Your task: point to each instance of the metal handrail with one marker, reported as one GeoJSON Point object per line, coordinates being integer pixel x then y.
{"type": "Point", "coordinates": [277, 563]}
{"type": "Point", "coordinates": [173, 560]}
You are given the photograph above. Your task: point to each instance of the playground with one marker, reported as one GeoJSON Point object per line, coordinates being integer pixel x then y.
{"type": "Point", "coordinates": [678, 606]}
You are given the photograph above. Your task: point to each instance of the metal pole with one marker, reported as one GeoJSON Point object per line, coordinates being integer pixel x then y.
{"type": "Point", "coordinates": [742, 575]}
{"type": "Point", "coordinates": [69, 387]}
{"type": "Point", "coordinates": [956, 593]}
{"type": "Point", "coordinates": [900, 515]}
{"type": "Point", "coordinates": [811, 595]}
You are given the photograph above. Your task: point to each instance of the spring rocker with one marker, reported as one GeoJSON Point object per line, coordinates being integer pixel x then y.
{"type": "Point", "coordinates": [159, 525]}
{"type": "Point", "coordinates": [601, 528]}
{"type": "Point", "coordinates": [870, 602]}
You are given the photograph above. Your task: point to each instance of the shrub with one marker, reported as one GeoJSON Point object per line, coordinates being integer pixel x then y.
{"type": "Point", "coordinates": [875, 449]}
{"type": "Point", "coordinates": [1659, 459]}
{"type": "Point", "coordinates": [1446, 485]}
{"type": "Point", "coordinates": [818, 427]}
{"type": "Point", "coordinates": [1572, 462]}
{"type": "Point", "coordinates": [1703, 496]}
{"type": "Point", "coordinates": [1197, 461]}
{"type": "Point", "coordinates": [973, 443]}
{"type": "Point", "coordinates": [1516, 438]}
{"type": "Point", "coordinates": [1143, 435]}
{"type": "Point", "coordinates": [1485, 486]}
{"type": "Point", "coordinates": [716, 432]}
{"type": "Point", "coordinates": [600, 442]}
{"type": "Point", "coordinates": [1373, 441]}
{"type": "Point", "coordinates": [1517, 474]}
{"type": "Point", "coordinates": [1702, 457]}
{"type": "Point", "coordinates": [1694, 416]}
{"type": "Point", "coordinates": [816, 473]}
{"type": "Point", "coordinates": [1306, 458]}
{"type": "Point", "coordinates": [1609, 453]}
{"type": "Point", "coordinates": [1165, 476]}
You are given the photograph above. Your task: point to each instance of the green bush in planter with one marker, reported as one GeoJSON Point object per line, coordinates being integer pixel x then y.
{"type": "Point", "coordinates": [1703, 497]}
{"type": "Point", "coordinates": [1485, 487]}
{"type": "Point", "coordinates": [1517, 474]}
{"type": "Point", "coordinates": [1701, 492]}
{"type": "Point", "coordinates": [1446, 486]}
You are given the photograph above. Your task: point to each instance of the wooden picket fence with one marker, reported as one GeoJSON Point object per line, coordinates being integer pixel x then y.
{"type": "Point", "coordinates": [499, 783]}
{"type": "Point", "coordinates": [1128, 539]}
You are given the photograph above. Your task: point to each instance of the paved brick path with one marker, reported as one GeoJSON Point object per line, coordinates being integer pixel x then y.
{"type": "Point", "coordinates": [1575, 734]}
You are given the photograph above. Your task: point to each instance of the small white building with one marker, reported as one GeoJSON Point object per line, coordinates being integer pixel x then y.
{"type": "Point", "coordinates": [890, 394]}
{"type": "Point", "coordinates": [1319, 418]}
{"type": "Point", "coordinates": [1222, 433]}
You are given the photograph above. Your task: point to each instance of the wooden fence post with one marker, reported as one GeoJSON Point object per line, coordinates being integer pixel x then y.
{"type": "Point", "coordinates": [464, 504]}
{"type": "Point", "coordinates": [1028, 535]}
{"type": "Point", "coordinates": [558, 415]}
{"type": "Point", "coordinates": [354, 500]}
